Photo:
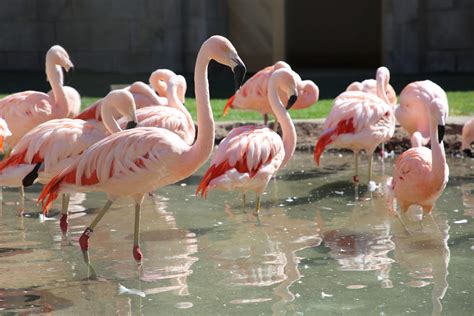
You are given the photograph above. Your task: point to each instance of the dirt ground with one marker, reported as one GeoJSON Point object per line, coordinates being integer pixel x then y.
{"type": "Point", "coordinates": [309, 131]}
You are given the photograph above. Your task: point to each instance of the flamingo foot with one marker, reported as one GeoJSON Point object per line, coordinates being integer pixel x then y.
{"type": "Point", "coordinates": [355, 179]}
{"type": "Point", "coordinates": [64, 224]}
{"type": "Point", "coordinates": [137, 253]}
{"type": "Point", "coordinates": [84, 240]}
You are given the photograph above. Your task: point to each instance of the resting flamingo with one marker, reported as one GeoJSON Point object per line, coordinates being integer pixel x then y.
{"type": "Point", "coordinates": [420, 174]}
{"type": "Point", "coordinates": [143, 94]}
{"type": "Point", "coordinates": [135, 162]}
{"type": "Point", "coordinates": [24, 110]}
{"type": "Point", "coordinates": [412, 113]}
{"type": "Point", "coordinates": [51, 146]}
{"type": "Point", "coordinates": [254, 94]}
{"type": "Point", "coordinates": [370, 86]}
{"type": "Point", "coordinates": [249, 156]}
{"type": "Point", "coordinates": [174, 117]}
{"type": "Point", "coordinates": [467, 137]}
{"type": "Point", "coordinates": [359, 120]}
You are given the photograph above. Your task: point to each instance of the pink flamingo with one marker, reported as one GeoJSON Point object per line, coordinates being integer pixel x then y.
{"type": "Point", "coordinates": [51, 146]}
{"type": "Point", "coordinates": [420, 174]}
{"type": "Point", "coordinates": [249, 156]}
{"type": "Point", "coordinates": [24, 110]}
{"type": "Point", "coordinates": [254, 95]}
{"type": "Point", "coordinates": [412, 113]}
{"type": "Point", "coordinates": [143, 94]}
{"type": "Point", "coordinates": [4, 132]}
{"type": "Point", "coordinates": [135, 162]}
{"type": "Point", "coordinates": [174, 117]}
{"type": "Point", "coordinates": [370, 86]}
{"type": "Point", "coordinates": [467, 137]}
{"type": "Point", "coordinates": [359, 120]}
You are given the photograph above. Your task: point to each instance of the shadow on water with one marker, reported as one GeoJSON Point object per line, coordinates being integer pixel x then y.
{"type": "Point", "coordinates": [30, 301]}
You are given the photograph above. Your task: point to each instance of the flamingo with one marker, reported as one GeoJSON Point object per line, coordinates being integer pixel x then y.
{"type": "Point", "coordinates": [467, 137]}
{"type": "Point", "coordinates": [359, 120]}
{"type": "Point", "coordinates": [249, 156]}
{"type": "Point", "coordinates": [420, 174]}
{"type": "Point", "coordinates": [143, 94]}
{"type": "Point", "coordinates": [24, 110]}
{"type": "Point", "coordinates": [412, 113]}
{"type": "Point", "coordinates": [174, 117]}
{"type": "Point", "coordinates": [253, 94]}
{"type": "Point", "coordinates": [370, 86]}
{"type": "Point", "coordinates": [135, 162]}
{"type": "Point", "coordinates": [51, 146]}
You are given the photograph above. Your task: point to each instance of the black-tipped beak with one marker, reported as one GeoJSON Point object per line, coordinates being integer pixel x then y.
{"type": "Point", "coordinates": [239, 74]}
{"type": "Point", "coordinates": [441, 130]}
{"type": "Point", "coordinates": [291, 101]}
{"type": "Point", "coordinates": [131, 124]}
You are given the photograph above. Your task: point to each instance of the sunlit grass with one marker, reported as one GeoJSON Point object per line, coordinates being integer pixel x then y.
{"type": "Point", "coordinates": [460, 103]}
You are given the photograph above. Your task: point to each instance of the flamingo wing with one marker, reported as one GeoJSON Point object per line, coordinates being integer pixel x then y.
{"type": "Point", "coordinates": [244, 152]}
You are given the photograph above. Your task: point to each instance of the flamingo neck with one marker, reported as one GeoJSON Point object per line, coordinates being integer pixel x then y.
{"type": "Point", "coordinates": [381, 85]}
{"type": "Point", "coordinates": [159, 79]}
{"type": "Point", "coordinates": [107, 112]}
{"type": "Point", "coordinates": [284, 119]}
{"type": "Point", "coordinates": [202, 148]}
{"type": "Point", "coordinates": [55, 77]}
{"type": "Point", "coordinates": [438, 157]}
{"type": "Point", "coordinates": [174, 102]}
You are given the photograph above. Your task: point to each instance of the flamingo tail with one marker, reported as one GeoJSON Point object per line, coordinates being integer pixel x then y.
{"type": "Point", "coordinates": [343, 127]}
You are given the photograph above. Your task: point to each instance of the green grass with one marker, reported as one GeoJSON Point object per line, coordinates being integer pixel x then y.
{"type": "Point", "coordinates": [460, 103]}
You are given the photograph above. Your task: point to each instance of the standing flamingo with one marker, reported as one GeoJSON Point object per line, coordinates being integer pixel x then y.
{"type": "Point", "coordinates": [412, 113]}
{"type": "Point", "coordinates": [467, 137]}
{"type": "Point", "coordinates": [254, 94]}
{"type": "Point", "coordinates": [420, 174]}
{"type": "Point", "coordinates": [174, 117]}
{"type": "Point", "coordinates": [135, 162]}
{"type": "Point", "coordinates": [359, 120]}
{"type": "Point", "coordinates": [51, 146]}
{"type": "Point", "coordinates": [24, 110]}
{"type": "Point", "coordinates": [143, 94]}
{"type": "Point", "coordinates": [249, 156]}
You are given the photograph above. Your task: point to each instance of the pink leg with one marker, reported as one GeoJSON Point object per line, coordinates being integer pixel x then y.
{"type": "Point", "coordinates": [137, 253]}
{"type": "Point", "coordinates": [63, 221]}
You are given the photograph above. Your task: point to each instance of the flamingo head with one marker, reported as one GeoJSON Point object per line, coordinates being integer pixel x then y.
{"type": "Point", "coordinates": [59, 56]}
{"type": "Point", "coordinates": [221, 50]}
{"type": "Point", "coordinates": [177, 87]}
{"type": "Point", "coordinates": [286, 80]}
{"type": "Point", "coordinates": [122, 102]}
{"type": "Point", "coordinates": [182, 87]}
{"type": "Point", "coordinates": [382, 78]}
{"type": "Point", "coordinates": [439, 112]}
{"type": "Point", "coordinates": [308, 91]}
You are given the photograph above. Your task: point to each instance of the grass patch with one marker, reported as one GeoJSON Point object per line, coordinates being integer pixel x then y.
{"type": "Point", "coordinates": [460, 103]}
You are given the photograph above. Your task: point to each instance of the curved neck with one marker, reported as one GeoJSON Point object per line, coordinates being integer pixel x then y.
{"type": "Point", "coordinates": [381, 85]}
{"type": "Point", "coordinates": [107, 112]}
{"type": "Point", "coordinates": [438, 156]}
{"type": "Point", "coordinates": [202, 148]}
{"type": "Point", "coordinates": [159, 80]}
{"type": "Point", "coordinates": [282, 116]}
{"type": "Point", "coordinates": [174, 102]}
{"type": "Point", "coordinates": [55, 77]}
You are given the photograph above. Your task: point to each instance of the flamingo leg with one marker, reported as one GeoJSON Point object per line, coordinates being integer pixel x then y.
{"type": "Point", "coordinates": [356, 175]}
{"type": "Point", "coordinates": [84, 240]}
{"type": "Point", "coordinates": [137, 253]}
{"type": "Point", "coordinates": [244, 201]}
{"type": "Point", "coordinates": [275, 126]}
{"type": "Point", "coordinates": [63, 222]}
{"type": "Point", "coordinates": [21, 207]}
{"type": "Point", "coordinates": [257, 206]}
{"type": "Point", "coordinates": [370, 158]}
{"type": "Point", "coordinates": [265, 119]}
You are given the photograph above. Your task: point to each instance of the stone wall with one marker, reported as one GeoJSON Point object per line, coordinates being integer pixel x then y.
{"type": "Point", "coordinates": [126, 36]}
{"type": "Point", "coordinates": [428, 35]}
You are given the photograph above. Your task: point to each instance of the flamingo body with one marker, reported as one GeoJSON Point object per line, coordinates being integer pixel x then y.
{"type": "Point", "coordinates": [245, 161]}
{"type": "Point", "coordinates": [253, 95]}
{"type": "Point", "coordinates": [357, 121]}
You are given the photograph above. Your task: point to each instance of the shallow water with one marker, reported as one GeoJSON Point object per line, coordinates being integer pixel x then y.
{"type": "Point", "coordinates": [321, 247]}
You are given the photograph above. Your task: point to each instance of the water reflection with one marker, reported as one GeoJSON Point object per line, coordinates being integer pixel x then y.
{"type": "Point", "coordinates": [362, 240]}
{"type": "Point", "coordinates": [467, 190]}
{"type": "Point", "coordinates": [264, 255]}
{"type": "Point", "coordinates": [425, 254]}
